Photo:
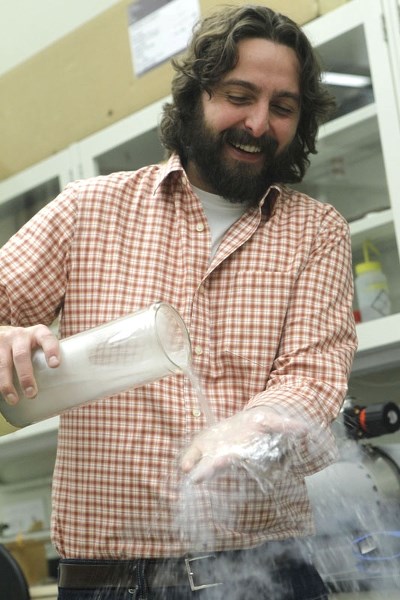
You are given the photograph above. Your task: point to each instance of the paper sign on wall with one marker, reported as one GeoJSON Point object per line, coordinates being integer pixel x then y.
{"type": "Point", "coordinates": [159, 29]}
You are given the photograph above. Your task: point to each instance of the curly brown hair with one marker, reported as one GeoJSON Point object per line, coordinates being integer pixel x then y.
{"type": "Point", "coordinates": [213, 52]}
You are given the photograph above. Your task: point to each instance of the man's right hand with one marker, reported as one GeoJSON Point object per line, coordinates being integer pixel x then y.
{"type": "Point", "coordinates": [16, 345]}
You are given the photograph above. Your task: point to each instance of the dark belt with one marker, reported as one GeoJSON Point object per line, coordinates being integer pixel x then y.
{"type": "Point", "coordinates": [199, 572]}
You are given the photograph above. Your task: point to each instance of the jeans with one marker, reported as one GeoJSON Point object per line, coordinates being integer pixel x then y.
{"type": "Point", "coordinates": [297, 580]}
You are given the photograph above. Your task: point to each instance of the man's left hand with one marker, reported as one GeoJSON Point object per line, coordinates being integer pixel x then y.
{"type": "Point", "coordinates": [257, 439]}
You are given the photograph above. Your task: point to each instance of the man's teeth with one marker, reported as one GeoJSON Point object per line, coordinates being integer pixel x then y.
{"type": "Point", "coordinates": [247, 148]}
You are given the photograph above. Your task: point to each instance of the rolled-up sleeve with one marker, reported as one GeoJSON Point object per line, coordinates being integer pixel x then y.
{"type": "Point", "coordinates": [310, 372]}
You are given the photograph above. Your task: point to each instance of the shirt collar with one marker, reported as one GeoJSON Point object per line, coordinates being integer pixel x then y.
{"type": "Point", "coordinates": [173, 164]}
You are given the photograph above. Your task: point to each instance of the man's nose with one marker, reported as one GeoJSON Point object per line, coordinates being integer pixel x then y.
{"type": "Point", "coordinates": [257, 121]}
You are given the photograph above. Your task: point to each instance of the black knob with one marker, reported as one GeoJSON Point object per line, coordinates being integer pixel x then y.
{"type": "Point", "coordinates": [379, 419]}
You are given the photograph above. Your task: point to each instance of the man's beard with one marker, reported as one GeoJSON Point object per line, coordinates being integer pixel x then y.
{"type": "Point", "coordinates": [236, 181]}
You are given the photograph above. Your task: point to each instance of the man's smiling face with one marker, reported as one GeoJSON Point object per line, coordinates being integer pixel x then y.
{"type": "Point", "coordinates": [247, 123]}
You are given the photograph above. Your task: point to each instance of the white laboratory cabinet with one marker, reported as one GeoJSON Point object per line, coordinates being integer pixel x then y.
{"type": "Point", "coordinates": [357, 169]}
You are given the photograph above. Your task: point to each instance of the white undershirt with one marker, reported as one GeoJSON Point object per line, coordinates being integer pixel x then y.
{"type": "Point", "coordinates": [220, 213]}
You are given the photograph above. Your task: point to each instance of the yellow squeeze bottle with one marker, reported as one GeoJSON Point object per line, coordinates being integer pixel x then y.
{"type": "Point", "coordinates": [371, 286]}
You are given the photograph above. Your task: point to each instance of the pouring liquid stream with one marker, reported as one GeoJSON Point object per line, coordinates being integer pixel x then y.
{"type": "Point", "coordinates": [203, 404]}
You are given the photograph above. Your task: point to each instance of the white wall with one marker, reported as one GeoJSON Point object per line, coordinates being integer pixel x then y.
{"type": "Point", "coordinates": [28, 26]}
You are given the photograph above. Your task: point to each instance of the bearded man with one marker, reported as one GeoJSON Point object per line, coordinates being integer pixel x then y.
{"type": "Point", "coordinates": [149, 500]}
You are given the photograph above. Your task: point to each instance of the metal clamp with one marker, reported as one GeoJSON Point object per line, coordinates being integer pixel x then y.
{"type": "Point", "coordinates": [191, 573]}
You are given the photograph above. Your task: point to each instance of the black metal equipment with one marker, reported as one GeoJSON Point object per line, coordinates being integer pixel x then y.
{"type": "Point", "coordinates": [13, 584]}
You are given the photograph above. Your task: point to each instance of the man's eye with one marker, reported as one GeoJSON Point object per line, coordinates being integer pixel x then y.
{"type": "Point", "coordinates": [283, 110]}
{"type": "Point", "coordinates": [237, 99]}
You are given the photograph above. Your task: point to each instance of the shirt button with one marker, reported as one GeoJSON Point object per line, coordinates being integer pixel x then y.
{"type": "Point", "coordinates": [200, 227]}
{"type": "Point", "coordinates": [198, 350]}
{"type": "Point", "coordinates": [196, 412]}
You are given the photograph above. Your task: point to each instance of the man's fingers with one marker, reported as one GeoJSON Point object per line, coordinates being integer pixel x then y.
{"type": "Point", "coordinates": [208, 467]}
{"type": "Point", "coordinates": [50, 345]}
{"type": "Point", "coordinates": [14, 349]}
{"type": "Point", "coordinates": [190, 458]}
{"type": "Point", "coordinates": [202, 462]}
{"type": "Point", "coordinates": [256, 439]}
{"type": "Point", "coordinates": [24, 370]}
{"type": "Point", "coordinates": [24, 341]}
{"type": "Point", "coordinates": [203, 471]}
{"type": "Point", "coordinates": [16, 345]}
{"type": "Point", "coordinates": [6, 381]}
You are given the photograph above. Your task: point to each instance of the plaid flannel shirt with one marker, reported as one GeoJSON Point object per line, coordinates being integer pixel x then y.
{"type": "Point", "coordinates": [270, 319]}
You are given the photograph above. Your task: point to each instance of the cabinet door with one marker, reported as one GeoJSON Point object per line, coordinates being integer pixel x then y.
{"type": "Point", "coordinates": [22, 195]}
{"type": "Point", "coordinates": [357, 165]}
{"type": "Point", "coordinates": [127, 145]}
{"type": "Point", "coordinates": [391, 12]}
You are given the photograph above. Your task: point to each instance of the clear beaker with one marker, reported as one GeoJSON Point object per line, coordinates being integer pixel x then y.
{"type": "Point", "coordinates": [123, 354]}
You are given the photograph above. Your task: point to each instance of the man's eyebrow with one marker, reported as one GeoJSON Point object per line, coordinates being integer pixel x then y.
{"type": "Point", "coordinates": [241, 83]}
{"type": "Point", "coordinates": [254, 88]}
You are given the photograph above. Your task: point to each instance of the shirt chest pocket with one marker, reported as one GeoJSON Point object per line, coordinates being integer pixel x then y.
{"type": "Point", "coordinates": [250, 314]}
